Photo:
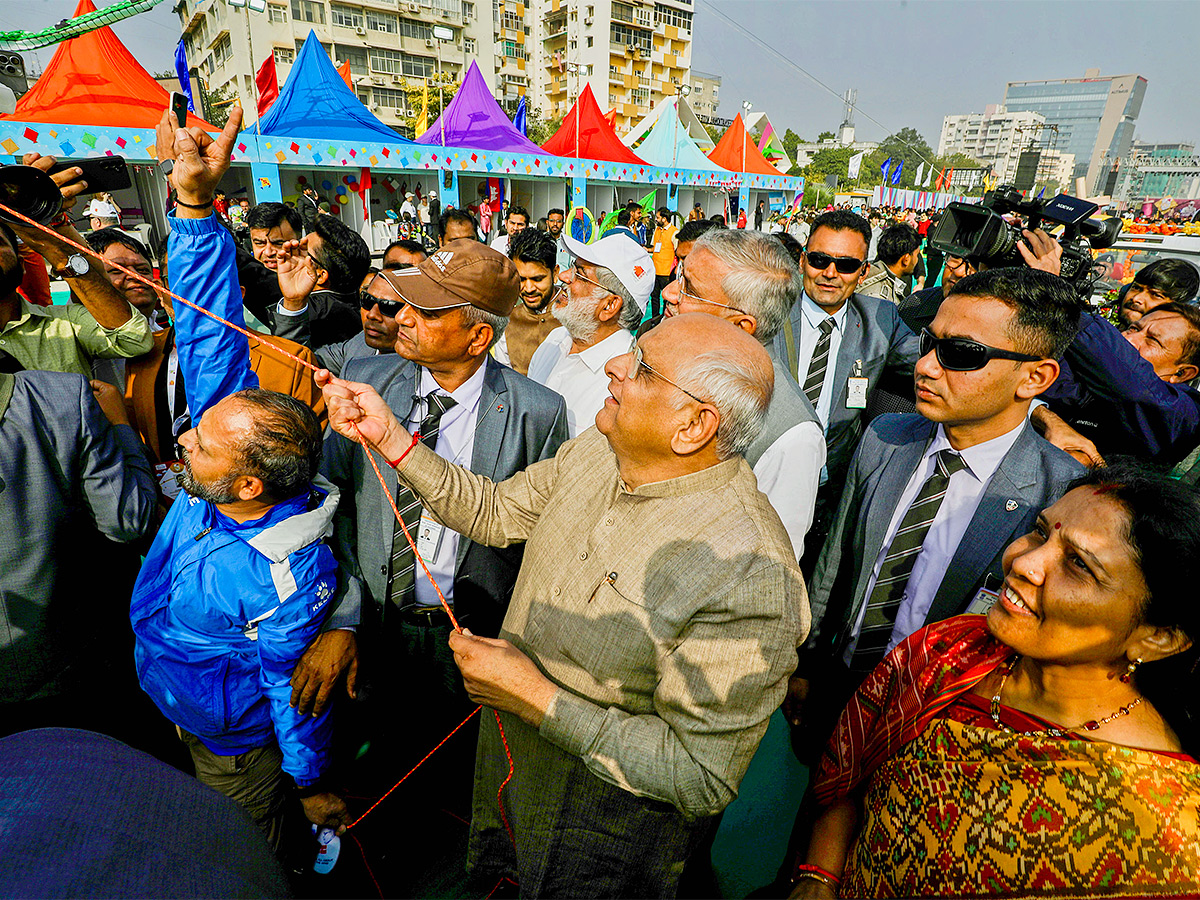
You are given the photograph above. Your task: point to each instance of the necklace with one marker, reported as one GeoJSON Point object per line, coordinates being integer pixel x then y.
{"type": "Point", "coordinates": [1090, 725]}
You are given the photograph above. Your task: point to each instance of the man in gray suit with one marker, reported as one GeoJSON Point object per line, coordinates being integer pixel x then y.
{"type": "Point", "coordinates": [474, 412]}
{"type": "Point", "coordinates": [838, 344]}
{"type": "Point", "coordinates": [932, 499]}
{"type": "Point", "coordinates": [749, 278]}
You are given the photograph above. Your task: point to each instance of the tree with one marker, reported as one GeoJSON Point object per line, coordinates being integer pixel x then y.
{"type": "Point", "coordinates": [906, 144]}
{"type": "Point", "coordinates": [790, 141]}
{"type": "Point", "coordinates": [218, 103]}
{"type": "Point", "coordinates": [441, 92]}
{"type": "Point", "coordinates": [825, 136]}
{"type": "Point", "coordinates": [715, 133]}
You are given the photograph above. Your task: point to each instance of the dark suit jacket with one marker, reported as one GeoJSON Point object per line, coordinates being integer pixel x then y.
{"type": "Point", "coordinates": [874, 335]}
{"type": "Point", "coordinates": [520, 422]}
{"type": "Point", "coordinates": [1032, 475]}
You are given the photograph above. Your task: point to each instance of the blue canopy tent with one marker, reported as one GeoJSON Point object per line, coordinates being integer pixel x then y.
{"type": "Point", "coordinates": [316, 103]}
{"type": "Point", "coordinates": [669, 145]}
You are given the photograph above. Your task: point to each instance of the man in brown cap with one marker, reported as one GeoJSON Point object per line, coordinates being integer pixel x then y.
{"type": "Point", "coordinates": [473, 411]}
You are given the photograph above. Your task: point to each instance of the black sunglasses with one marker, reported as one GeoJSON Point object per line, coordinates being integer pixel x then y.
{"type": "Point", "coordinates": [963, 355]}
{"type": "Point", "coordinates": [847, 265]}
{"type": "Point", "coordinates": [388, 308]}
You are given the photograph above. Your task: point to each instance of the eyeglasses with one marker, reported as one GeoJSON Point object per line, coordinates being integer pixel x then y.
{"type": "Point", "coordinates": [639, 363]}
{"type": "Point", "coordinates": [576, 273]}
{"type": "Point", "coordinates": [846, 265]}
{"type": "Point", "coordinates": [957, 264]}
{"type": "Point", "coordinates": [964, 355]}
{"type": "Point", "coordinates": [680, 278]}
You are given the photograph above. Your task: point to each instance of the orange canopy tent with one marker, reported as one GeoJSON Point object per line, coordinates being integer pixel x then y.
{"type": "Point", "coordinates": [735, 147]}
{"type": "Point", "coordinates": [596, 138]}
{"type": "Point", "coordinates": [94, 80]}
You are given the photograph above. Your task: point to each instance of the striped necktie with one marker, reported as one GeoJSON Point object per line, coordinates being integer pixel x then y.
{"type": "Point", "coordinates": [402, 585]}
{"type": "Point", "coordinates": [815, 379]}
{"type": "Point", "coordinates": [884, 603]}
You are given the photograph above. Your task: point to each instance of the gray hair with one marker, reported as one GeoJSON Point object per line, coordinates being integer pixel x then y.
{"type": "Point", "coordinates": [763, 280]}
{"type": "Point", "coordinates": [473, 315]}
{"type": "Point", "coordinates": [631, 313]}
{"type": "Point", "coordinates": [740, 393]}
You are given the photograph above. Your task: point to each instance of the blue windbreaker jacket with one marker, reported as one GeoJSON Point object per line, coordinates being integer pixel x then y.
{"type": "Point", "coordinates": [222, 611]}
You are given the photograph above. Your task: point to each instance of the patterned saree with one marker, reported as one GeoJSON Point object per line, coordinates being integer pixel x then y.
{"type": "Point", "coordinates": [953, 807]}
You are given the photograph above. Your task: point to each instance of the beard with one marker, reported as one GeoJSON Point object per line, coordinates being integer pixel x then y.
{"type": "Point", "coordinates": [220, 491]}
{"type": "Point", "coordinates": [579, 318]}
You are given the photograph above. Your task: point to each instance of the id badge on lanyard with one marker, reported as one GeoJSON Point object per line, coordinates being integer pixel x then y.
{"type": "Point", "coordinates": [856, 388]}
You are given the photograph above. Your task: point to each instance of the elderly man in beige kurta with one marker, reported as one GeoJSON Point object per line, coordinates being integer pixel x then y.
{"type": "Point", "coordinates": [663, 620]}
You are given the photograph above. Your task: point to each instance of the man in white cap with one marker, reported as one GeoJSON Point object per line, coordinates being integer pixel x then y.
{"type": "Point", "coordinates": [606, 293]}
{"type": "Point", "coordinates": [408, 207]}
{"type": "Point", "coordinates": [102, 214]}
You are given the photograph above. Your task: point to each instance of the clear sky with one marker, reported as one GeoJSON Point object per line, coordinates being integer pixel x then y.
{"type": "Point", "coordinates": [912, 61]}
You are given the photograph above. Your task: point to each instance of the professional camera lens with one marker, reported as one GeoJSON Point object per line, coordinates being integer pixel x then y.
{"type": "Point", "coordinates": [29, 191]}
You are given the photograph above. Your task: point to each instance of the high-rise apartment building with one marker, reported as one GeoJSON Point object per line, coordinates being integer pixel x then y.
{"type": "Point", "coordinates": [1095, 116]}
{"type": "Point", "coordinates": [386, 42]}
{"type": "Point", "coordinates": [705, 95]}
{"type": "Point", "coordinates": [998, 136]}
{"type": "Point", "coordinates": [631, 52]}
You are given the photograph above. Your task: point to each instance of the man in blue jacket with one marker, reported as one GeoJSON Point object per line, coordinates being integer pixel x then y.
{"type": "Point", "coordinates": [239, 579]}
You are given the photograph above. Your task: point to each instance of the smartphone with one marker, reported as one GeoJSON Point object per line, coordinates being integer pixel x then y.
{"type": "Point", "coordinates": [101, 173]}
{"type": "Point", "coordinates": [179, 103]}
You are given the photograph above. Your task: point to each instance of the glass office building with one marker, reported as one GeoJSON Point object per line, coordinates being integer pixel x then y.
{"type": "Point", "coordinates": [1095, 116]}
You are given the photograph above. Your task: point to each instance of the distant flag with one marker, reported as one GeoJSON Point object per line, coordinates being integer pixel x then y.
{"type": "Point", "coordinates": [520, 120]}
{"type": "Point", "coordinates": [941, 182]}
{"type": "Point", "coordinates": [1042, 192]}
{"type": "Point", "coordinates": [800, 197]}
{"type": "Point", "coordinates": [885, 168]}
{"type": "Point", "coordinates": [950, 178]}
{"type": "Point", "coordinates": [344, 71]}
{"type": "Point", "coordinates": [364, 180]}
{"type": "Point", "coordinates": [896, 174]}
{"type": "Point", "coordinates": [920, 172]}
{"type": "Point", "coordinates": [855, 165]}
{"type": "Point", "coordinates": [647, 202]}
{"type": "Point", "coordinates": [185, 81]}
{"type": "Point", "coordinates": [422, 125]}
{"type": "Point", "coordinates": [267, 84]}
{"type": "Point", "coordinates": [928, 176]}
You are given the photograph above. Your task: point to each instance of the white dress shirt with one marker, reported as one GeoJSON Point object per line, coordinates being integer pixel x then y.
{"type": "Point", "coordinates": [456, 443]}
{"type": "Point", "coordinates": [788, 473]}
{"type": "Point", "coordinates": [500, 243]}
{"type": "Point", "coordinates": [941, 543]}
{"type": "Point", "coordinates": [810, 333]}
{"type": "Point", "coordinates": [579, 377]}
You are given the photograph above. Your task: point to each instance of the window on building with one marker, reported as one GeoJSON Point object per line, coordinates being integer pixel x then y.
{"type": "Point", "coordinates": [626, 36]}
{"type": "Point", "coordinates": [391, 99]}
{"type": "Point", "coordinates": [356, 56]}
{"type": "Point", "coordinates": [468, 11]}
{"type": "Point", "coordinates": [444, 8]}
{"type": "Point", "coordinates": [276, 14]}
{"type": "Point", "coordinates": [640, 96]}
{"type": "Point", "coordinates": [386, 61]}
{"type": "Point", "coordinates": [590, 41]}
{"type": "Point", "coordinates": [345, 16]}
{"type": "Point", "coordinates": [364, 97]}
{"type": "Point", "coordinates": [411, 28]}
{"type": "Point", "coordinates": [328, 48]}
{"type": "Point", "coordinates": [308, 11]}
{"type": "Point", "coordinates": [381, 21]}
{"type": "Point", "coordinates": [285, 55]}
{"type": "Point", "coordinates": [468, 45]}
{"type": "Point", "coordinates": [511, 20]}
{"type": "Point", "coordinates": [510, 49]}
{"type": "Point", "coordinates": [418, 66]}
{"type": "Point", "coordinates": [665, 15]}
{"type": "Point", "coordinates": [622, 12]}
{"type": "Point", "coordinates": [223, 50]}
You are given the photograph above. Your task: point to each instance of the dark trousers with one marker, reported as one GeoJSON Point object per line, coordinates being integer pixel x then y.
{"type": "Point", "coordinates": [660, 283]}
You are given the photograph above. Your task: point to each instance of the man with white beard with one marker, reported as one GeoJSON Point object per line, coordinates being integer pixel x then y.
{"type": "Point", "coordinates": [605, 295]}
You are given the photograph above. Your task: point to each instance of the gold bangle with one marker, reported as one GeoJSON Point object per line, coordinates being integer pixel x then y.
{"type": "Point", "coordinates": [825, 880]}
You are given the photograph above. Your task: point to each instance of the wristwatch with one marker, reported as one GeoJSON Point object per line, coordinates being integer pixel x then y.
{"type": "Point", "coordinates": [75, 266]}
{"type": "Point", "coordinates": [165, 166]}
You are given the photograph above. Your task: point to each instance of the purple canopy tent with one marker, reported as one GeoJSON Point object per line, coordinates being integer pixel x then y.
{"type": "Point", "coordinates": [473, 119]}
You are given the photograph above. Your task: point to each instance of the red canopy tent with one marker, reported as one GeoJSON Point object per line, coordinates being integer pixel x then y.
{"type": "Point", "coordinates": [596, 138]}
{"type": "Point", "coordinates": [94, 80]}
{"type": "Point", "coordinates": [736, 152]}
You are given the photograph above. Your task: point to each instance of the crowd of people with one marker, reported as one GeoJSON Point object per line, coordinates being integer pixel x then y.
{"type": "Point", "coordinates": [649, 492]}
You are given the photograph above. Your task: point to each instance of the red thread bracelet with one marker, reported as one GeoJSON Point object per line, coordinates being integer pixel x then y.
{"type": "Point", "coordinates": [415, 438]}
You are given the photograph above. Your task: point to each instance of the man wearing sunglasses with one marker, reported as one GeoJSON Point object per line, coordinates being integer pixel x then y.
{"type": "Point", "coordinates": [932, 499]}
{"type": "Point", "coordinates": [652, 630]}
{"type": "Point", "coordinates": [378, 304]}
{"type": "Point", "coordinates": [838, 344]}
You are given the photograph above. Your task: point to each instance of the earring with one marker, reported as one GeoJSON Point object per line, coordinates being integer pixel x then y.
{"type": "Point", "coordinates": [1128, 676]}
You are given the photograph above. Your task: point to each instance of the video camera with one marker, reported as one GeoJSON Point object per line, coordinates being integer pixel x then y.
{"type": "Point", "coordinates": [980, 233]}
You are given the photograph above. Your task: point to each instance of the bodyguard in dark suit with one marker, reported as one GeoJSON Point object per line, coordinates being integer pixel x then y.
{"type": "Point", "coordinates": [932, 500]}
{"type": "Point", "coordinates": [838, 344]}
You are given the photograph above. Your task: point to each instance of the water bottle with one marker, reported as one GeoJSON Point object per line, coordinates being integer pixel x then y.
{"type": "Point", "coordinates": [329, 845]}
